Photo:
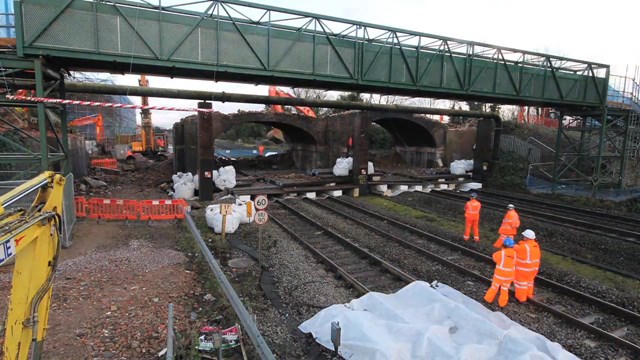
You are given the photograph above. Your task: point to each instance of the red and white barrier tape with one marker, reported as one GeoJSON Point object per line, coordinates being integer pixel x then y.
{"type": "Point", "coordinates": [103, 104]}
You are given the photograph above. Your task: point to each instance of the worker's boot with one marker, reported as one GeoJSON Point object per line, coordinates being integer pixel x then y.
{"type": "Point", "coordinates": [503, 300]}
{"type": "Point", "coordinates": [491, 293]}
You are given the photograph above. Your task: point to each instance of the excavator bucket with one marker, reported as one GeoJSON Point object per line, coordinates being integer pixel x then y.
{"type": "Point", "coordinates": [276, 134]}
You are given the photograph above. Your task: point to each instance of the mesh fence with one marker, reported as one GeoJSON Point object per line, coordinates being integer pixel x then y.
{"type": "Point", "coordinates": [537, 185]}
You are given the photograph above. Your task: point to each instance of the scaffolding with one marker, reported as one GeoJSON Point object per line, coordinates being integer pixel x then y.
{"type": "Point", "coordinates": [596, 149]}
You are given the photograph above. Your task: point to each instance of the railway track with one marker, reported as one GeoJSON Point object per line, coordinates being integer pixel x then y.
{"type": "Point", "coordinates": [616, 270]}
{"type": "Point", "coordinates": [588, 223]}
{"type": "Point", "coordinates": [621, 220]}
{"type": "Point", "coordinates": [360, 268]}
{"type": "Point", "coordinates": [603, 319]}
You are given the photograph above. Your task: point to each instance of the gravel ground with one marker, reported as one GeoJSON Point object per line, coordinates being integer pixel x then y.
{"type": "Point", "coordinates": [302, 283]}
{"type": "Point", "coordinates": [452, 210]}
{"type": "Point", "coordinates": [110, 299]}
{"type": "Point", "coordinates": [554, 329]}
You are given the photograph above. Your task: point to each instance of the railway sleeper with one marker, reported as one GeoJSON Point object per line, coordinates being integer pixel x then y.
{"type": "Point", "coordinates": [380, 283]}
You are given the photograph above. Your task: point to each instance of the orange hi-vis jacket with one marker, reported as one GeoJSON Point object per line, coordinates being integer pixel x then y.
{"type": "Point", "coordinates": [505, 260]}
{"type": "Point", "coordinates": [527, 257]}
{"type": "Point", "coordinates": [472, 209]}
{"type": "Point", "coordinates": [510, 223]}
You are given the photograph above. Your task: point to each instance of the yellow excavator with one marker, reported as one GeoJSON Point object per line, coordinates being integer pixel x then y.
{"type": "Point", "coordinates": [31, 236]}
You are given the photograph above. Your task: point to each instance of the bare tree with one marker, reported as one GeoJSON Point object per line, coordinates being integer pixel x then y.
{"type": "Point", "coordinates": [313, 94]}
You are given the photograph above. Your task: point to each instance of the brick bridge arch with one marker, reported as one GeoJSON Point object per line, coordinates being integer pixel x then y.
{"type": "Point", "coordinates": [419, 139]}
{"type": "Point", "coordinates": [306, 136]}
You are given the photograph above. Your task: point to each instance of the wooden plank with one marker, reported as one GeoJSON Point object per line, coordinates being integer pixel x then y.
{"type": "Point", "coordinates": [4, 42]}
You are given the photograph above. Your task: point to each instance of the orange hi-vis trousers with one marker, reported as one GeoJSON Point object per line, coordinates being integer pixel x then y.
{"type": "Point", "coordinates": [472, 224]}
{"type": "Point", "coordinates": [503, 286]}
{"type": "Point", "coordinates": [524, 284]}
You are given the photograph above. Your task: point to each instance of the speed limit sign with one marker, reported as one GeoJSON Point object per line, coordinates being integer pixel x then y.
{"type": "Point", "coordinates": [261, 217]}
{"type": "Point", "coordinates": [261, 202]}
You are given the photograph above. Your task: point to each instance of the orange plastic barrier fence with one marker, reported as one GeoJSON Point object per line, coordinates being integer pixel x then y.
{"type": "Point", "coordinates": [105, 163]}
{"type": "Point", "coordinates": [113, 209]}
{"type": "Point", "coordinates": [162, 209]}
{"type": "Point", "coordinates": [81, 206]}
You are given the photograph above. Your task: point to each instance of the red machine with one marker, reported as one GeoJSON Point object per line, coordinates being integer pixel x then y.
{"type": "Point", "coordinates": [92, 119]}
{"type": "Point", "coordinates": [544, 117]}
{"type": "Point", "coordinates": [274, 91]}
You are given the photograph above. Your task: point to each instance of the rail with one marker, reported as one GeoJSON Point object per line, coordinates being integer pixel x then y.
{"type": "Point", "coordinates": [247, 322]}
{"type": "Point", "coordinates": [612, 232]}
{"type": "Point", "coordinates": [612, 308]}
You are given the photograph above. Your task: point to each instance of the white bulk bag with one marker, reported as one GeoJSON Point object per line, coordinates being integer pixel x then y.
{"type": "Point", "coordinates": [210, 213]}
{"type": "Point", "coordinates": [231, 224]}
{"type": "Point", "coordinates": [370, 169]}
{"type": "Point", "coordinates": [184, 190]}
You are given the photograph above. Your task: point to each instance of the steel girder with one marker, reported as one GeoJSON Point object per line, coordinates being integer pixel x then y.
{"type": "Point", "coordinates": [241, 41]}
{"type": "Point", "coordinates": [18, 73]}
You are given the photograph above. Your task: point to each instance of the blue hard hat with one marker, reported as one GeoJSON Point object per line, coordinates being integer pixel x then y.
{"type": "Point", "coordinates": [508, 242]}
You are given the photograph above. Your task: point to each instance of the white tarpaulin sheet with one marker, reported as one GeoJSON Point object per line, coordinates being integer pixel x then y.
{"type": "Point", "coordinates": [425, 322]}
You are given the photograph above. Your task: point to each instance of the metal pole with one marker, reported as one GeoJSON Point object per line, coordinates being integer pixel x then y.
{"type": "Point", "coordinates": [106, 89]}
{"type": "Point", "coordinates": [625, 144]}
{"type": "Point", "coordinates": [556, 158]}
{"type": "Point", "coordinates": [260, 245]}
{"type": "Point", "coordinates": [206, 159]}
{"type": "Point", "coordinates": [243, 315]}
{"type": "Point", "coordinates": [42, 121]}
{"type": "Point", "coordinates": [597, 170]}
{"type": "Point", "coordinates": [170, 334]}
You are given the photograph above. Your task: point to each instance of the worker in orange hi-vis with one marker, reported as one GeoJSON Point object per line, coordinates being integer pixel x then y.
{"type": "Point", "coordinates": [261, 149]}
{"type": "Point", "coordinates": [527, 265]}
{"type": "Point", "coordinates": [509, 227]}
{"type": "Point", "coordinates": [472, 218]}
{"type": "Point", "coordinates": [505, 260]}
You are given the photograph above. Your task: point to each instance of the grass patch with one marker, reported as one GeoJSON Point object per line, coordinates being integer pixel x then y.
{"type": "Point", "coordinates": [414, 213]}
{"type": "Point", "coordinates": [589, 272]}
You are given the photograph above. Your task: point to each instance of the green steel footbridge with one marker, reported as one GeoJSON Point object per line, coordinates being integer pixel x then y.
{"type": "Point", "coordinates": [239, 41]}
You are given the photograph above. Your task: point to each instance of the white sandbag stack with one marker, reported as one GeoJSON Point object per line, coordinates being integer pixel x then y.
{"type": "Point", "coordinates": [349, 161]}
{"type": "Point", "coordinates": [231, 224]}
{"type": "Point", "coordinates": [214, 219]}
{"type": "Point", "coordinates": [226, 178]}
{"type": "Point", "coordinates": [184, 190]}
{"type": "Point", "coordinates": [184, 186]}
{"type": "Point", "coordinates": [341, 168]}
{"type": "Point", "coordinates": [210, 213]}
{"type": "Point", "coordinates": [461, 167]}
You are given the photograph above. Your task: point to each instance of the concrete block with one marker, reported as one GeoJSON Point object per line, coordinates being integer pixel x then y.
{"type": "Point", "coordinates": [310, 195]}
{"type": "Point", "coordinates": [381, 188]}
{"type": "Point", "coordinates": [244, 197]}
{"type": "Point", "coordinates": [334, 193]}
{"type": "Point", "coordinates": [355, 192]}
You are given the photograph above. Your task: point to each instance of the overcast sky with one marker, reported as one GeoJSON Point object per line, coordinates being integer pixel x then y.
{"type": "Point", "coordinates": [598, 31]}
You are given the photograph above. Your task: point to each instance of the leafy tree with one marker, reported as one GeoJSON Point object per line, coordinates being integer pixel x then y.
{"type": "Point", "coordinates": [379, 138]}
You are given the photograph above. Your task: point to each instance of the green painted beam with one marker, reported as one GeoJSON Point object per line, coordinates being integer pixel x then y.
{"type": "Point", "coordinates": [226, 46]}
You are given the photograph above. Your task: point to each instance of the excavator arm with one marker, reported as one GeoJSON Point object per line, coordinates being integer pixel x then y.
{"type": "Point", "coordinates": [274, 91]}
{"type": "Point", "coordinates": [32, 237]}
{"type": "Point", "coordinates": [92, 119]}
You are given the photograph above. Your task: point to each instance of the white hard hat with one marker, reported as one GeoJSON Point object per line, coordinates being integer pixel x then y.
{"type": "Point", "coordinates": [510, 206]}
{"type": "Point", "coordinates": [529, 234]}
